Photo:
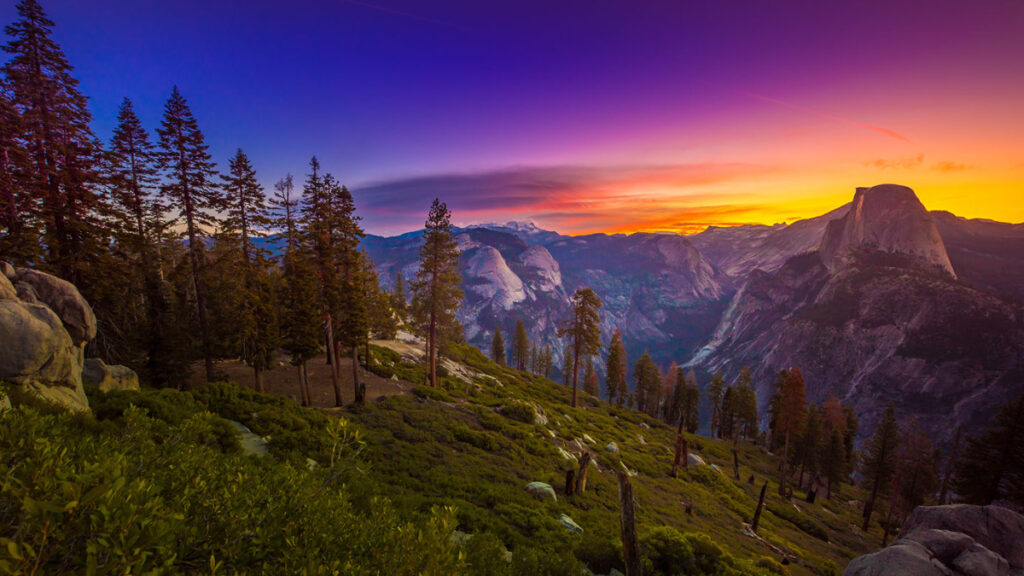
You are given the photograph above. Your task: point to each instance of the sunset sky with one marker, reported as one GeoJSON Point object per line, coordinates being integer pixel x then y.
{"type": "Point", "coordinates": [589, 115]}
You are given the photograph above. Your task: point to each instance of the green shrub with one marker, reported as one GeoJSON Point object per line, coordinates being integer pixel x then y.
{"type": "Point", "coordinates": [481, 440]}
{"type": "Point", "coordinates": [430, 393]}
{"type": "Point", "coordinates": [772, 566]}
{"type": "Point", "coordinates": [666, 552]}
{"type": "Point", "coordinates": [518, 410]}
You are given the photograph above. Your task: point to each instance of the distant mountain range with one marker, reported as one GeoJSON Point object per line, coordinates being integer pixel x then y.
{"type": "Point", "coordinates": [877, 301]}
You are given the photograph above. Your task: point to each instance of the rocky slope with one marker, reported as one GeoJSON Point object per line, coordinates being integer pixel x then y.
{"type": "Point", "coordinates": [658, 289]}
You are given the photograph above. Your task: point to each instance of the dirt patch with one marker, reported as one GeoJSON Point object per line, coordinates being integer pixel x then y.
{"type": "Point", "coordinates": [284, 379]}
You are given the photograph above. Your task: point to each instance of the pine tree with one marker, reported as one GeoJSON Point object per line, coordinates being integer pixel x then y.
{"type": "Point", "coordinates": [520, 346]}
{"type": "Point", "coordinates": [591, 385]}
{"type": "Point", "coordinates": [57, 183]}
{"type": "Point", "coordinates": [436, 292]}
{"type": "Point", "coordinates": [498, 346]}
{"type": "Point", "coordinates": [917, 474]}
{"type": "Point", "coordinates": [991, 467]}
{"type": "Point", "coordinates": [318, 235]}
{"type": "Point", "coordinates": [189, 186]}
{"type": "Point", "coordinates": [880, 461]}
{"type": "Point", "coordinates": [546, 362]}
{"type": "Point", "coordinates": [790, 417]}
{"type": "Point", "coordinates": [534, 365]}
{"type": "Point", "coordinates": [352, 322]}
{"type": "Point", "coordinates": [382, 318]}
{"type": "Point", "coordinates": [615, 370]}
{"type": "Point", "coordinates": [398, 299]}
{"type": "Point", "coordinates": [808, 445]}
{"type": "Point", "coordinates": [715, 393]}
{"type": "Point", "coordinates": [648, 384]}
{"type": "Point", "coordinates": [299, 296]}
{"type": "Point", "coordinates": [833, 461]}
{"type": "Point", "coordinates": [583, 330]}
{"type": "Point", "coordinates": [246, 218]}
{"type": "Point", "coordinates": [19, 218]}
{"type": "Point", "coordinates": [568, 365]}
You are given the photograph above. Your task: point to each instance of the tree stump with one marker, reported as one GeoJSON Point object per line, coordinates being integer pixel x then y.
{"type": "Point", "coordinates": [581, 476]}
{"type": "Point", "coordinates": [760, 507]}
{"type": "Point", "coordinates": [630, 541]}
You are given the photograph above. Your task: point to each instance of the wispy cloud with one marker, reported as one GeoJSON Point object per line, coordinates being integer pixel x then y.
{"type": "Point", "coordinates": [569, 198]}
{"type": "Point", "coordinates": [906, 163]}
{"type": "Point", "coordinates": [949, 166]}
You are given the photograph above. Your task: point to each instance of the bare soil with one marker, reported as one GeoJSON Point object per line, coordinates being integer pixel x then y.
{"type": "Point", "coordinates": [284, 379]}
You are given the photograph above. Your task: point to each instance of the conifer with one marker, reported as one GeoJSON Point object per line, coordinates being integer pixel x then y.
{"type": "Point", "coordinates": [715, 393]}
{"type": "Point", "coordinates": [520, 346]}
{"type": "Point", "coordinates": [57, 184]}
{"type": "Point", "coordinates": [436, 292]}
{"type": "Point", "coordinates": [189, 186]}
{"type": "Point", "coordinates": [583, 330]}
{"type": "Point", "coordinates": [790, 417]}
{"type": "Point", "coordinates": [591, 385]}
{"type": "Point", "coordinates": [991, 466]}
{"type": "Point", "coordinates": [399, 303]}
{"type": "Point", "coordinates": [546, 362]}
{"type": "Point", "coordinates": [880, 461]}
{"type": "Point", "coordinates": [615, 370]}
{"type": "Point", "coordinates": [498, 347]}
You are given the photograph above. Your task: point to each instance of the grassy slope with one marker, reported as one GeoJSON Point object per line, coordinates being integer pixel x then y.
{"type": "Point", "coordinates": [454, 446]}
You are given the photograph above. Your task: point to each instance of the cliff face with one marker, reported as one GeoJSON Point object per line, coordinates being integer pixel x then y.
{"type": "Point", "coordinates": [887, 218]}
{"type": "Point", "coordinates": [877, 316]}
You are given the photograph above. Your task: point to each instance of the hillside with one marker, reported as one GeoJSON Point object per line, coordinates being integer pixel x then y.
{"type": "Point", "coordinates": [472, 446]}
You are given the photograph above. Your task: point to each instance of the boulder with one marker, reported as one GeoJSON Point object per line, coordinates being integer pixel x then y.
{"type": "Point", "coordinates": [43, 330]}
{"type": "Point", "coordinates": [999, 529]}
{"type": "Point", "coordinates": [694, 460]}
{"type": "Point", "coordinates": [959, 539]}
{"type": "Point", "coordinates": [570, 524]}
{"type": "Point", "coordinates": [7, 291]}
{"type": "Point", "coordinates": [612, 447]}
{"type": "Point", "coordinates": [109, 377]}
{"type": "Point", "coordinates": [64, 299]}
{"type": "Point", "coordinates": [542, 491]}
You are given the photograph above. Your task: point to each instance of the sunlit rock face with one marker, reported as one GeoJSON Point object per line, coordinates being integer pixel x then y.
{"type": "Point", "coordinates": [887, 218]}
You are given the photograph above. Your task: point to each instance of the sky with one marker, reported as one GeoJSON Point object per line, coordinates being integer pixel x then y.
{"type": "Point", "coordinates": [582, 115]}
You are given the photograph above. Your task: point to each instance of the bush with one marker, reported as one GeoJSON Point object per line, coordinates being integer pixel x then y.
{"type": "Point", "coordinates": [519, 411]}
{"type": "Point", "coordinates": [666, 552]}
{"type": "Point", "coordinates": [771, 566]}
{"type": "Point", "coordinates": [481, 440]}
{"type": "Point", "coordinates": [430, 393]}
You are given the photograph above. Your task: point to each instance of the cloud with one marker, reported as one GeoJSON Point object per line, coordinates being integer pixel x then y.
{"type": "Point", "coordinates": [949, 166]}
{"type": "Point", "coordinates": [566, 198]}
{"type": "Point", "coordinates": [900, 163]}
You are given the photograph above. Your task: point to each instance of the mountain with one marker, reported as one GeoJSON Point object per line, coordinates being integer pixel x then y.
{"type": "Point", "coordinates": [656, 288]}
{"type": "Point", "coordinates": [877, 301]}
{"type": "Point", "coordinates": [878, 315]}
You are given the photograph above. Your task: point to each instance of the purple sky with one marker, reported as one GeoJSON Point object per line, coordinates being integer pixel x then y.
{"type": "Point", "coordinates": [575, 113]}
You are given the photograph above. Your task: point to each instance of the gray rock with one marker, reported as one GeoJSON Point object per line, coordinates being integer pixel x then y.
{"type": "Point", "coordinates": [998, 529]}
{"type": "Point", "coordinates": [612, 447]}
{"type": "Point", "coordinates": [907, 558]}
{"type": "Point", "coordinates": [7, 291]}
{"type": "Point", "coordinates": [63, 298]}
{"type": "Point", "coordinates": [944, 544]}
{"type": "Point", "coordinates": [107, 377]}
{"type": "Point", "coordinates": [7, 269]}
{"type": "Point", "coordinates": [542, 491]}
{"type": "Point", "coordinates": [570, 524]}
{"type": "Point", "coordinates": [694, 460]}
{"type": "Point", "coordinates": [980, 561]}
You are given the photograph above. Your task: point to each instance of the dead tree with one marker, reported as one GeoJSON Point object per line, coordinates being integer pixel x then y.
{"type": "Point", "coordinates": [570, 482]}
{"type": "Point", "coordinates": [581, 477]}
{"type": "Point", "coordinates": [682, 453]}
{"type": "Point", "coordinates": [630, 542]}
{"type": "Point", "coordinates": [735, 464]}
{"type": "Point", "coordinates": [760, 507]}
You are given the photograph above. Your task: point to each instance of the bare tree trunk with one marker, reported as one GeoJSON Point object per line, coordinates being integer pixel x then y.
{"type": "Point", "coordinates": [355, 374]}
{"type": "Point", "coordinates": [760, 507]}
{"type": "Point", "coordinates": [333, 356]}
{"type": "Point", "coordinates": [570, 482]}
{"type": "Point", "coordinates": [785, 462]}
{"type": "Point", "coordinates": [581, 478]}
{"type": "Point", "coordinates": [303, 392]}
{"type": "Point", "coordinates": [869, 506]}
{"type": "Point", "coordinates": [431, 350]}
{"type": "Point", "coordinates": [735, 464]}
{"type": "Point", "coordinates": [258, 378]}
{"type": "Point", "coordinates": [682, 452]}
{"type": "Point", "coordinates": [575, 370]}
{"type": "Point", "coordinates": [630, 542]}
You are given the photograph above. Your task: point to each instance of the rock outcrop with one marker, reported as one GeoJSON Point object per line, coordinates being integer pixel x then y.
{"type": "Point", "coordinates": [109, 377]}
{"type": "Point", "coordinates": [956, 540]}
{"type": "Point", "coordinates": [886, 218]}
{"type": "Point", "coordinates": [45, 324]}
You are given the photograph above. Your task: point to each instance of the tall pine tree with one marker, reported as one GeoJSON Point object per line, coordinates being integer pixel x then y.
{"type": "Point", "coordinates": [880, 461]}
{"type": "Point", "coordinates": [190, 187]}
{"type": "Point", "coordinates": [991, 467]}
{"type": "Point", "coordinates": [436, 292]}
{"type": "Point", "coordinates": [615, 370]}
{"type": "Point", "coordinates": [520, 346]}
{"type": "Point", "coordinates": [583, 330]}
{"type": "Point", "coordinates": [498, 346]}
